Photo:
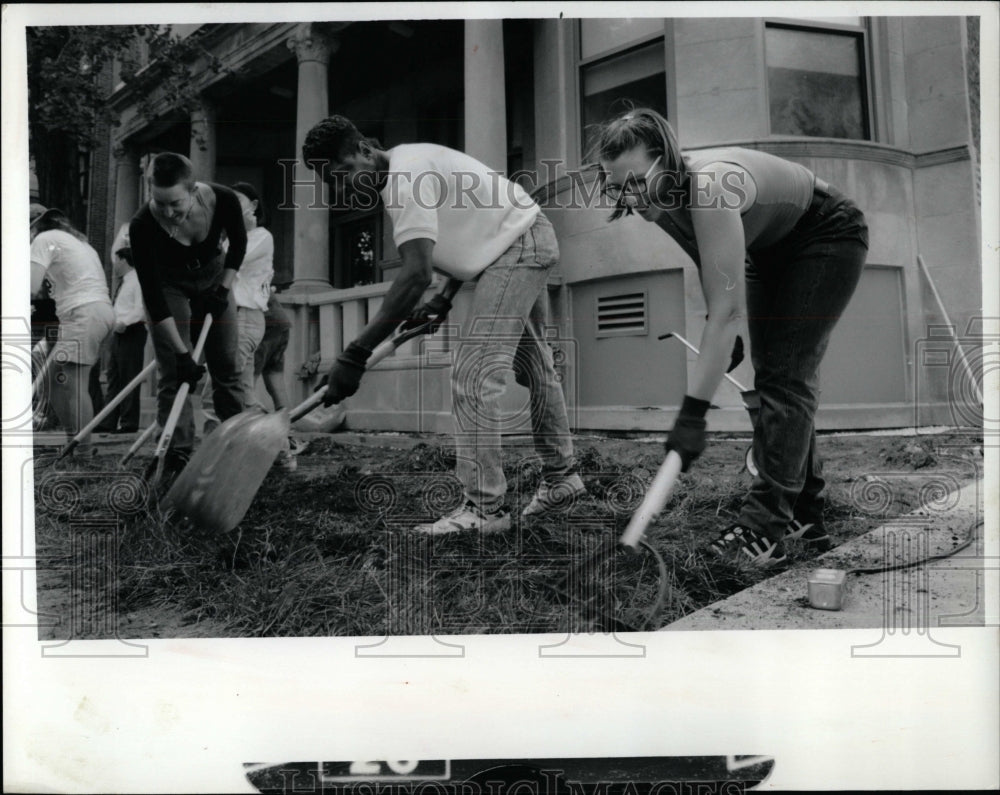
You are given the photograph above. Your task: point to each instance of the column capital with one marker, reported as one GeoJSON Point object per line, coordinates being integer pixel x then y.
{"type": "Point", "coordinates": [310, 42]}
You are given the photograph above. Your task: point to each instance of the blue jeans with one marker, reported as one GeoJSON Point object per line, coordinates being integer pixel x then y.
{"type": "Point", "coordinates": [506, 331]}
{"type": "Point", "coordinates": [796, 292]}
{"type": "Point", "coordinates": [220, 355]}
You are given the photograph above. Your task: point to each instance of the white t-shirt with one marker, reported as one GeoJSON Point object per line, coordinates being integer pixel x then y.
{"type": "Point", "coordinates": [129, 308]}
{"type": "Point", "coordinates": [72, 269]}
{"type": "Point", "coordinates": [472, 214]}
{"type": "Point", "coordinates": [252, 286]}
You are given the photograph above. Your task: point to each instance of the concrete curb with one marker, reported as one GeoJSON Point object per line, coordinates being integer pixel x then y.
{"type": "Point", "coordinates": [943, 593]}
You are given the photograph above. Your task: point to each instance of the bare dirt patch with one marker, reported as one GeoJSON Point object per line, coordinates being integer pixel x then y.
{"type": "Point", "coordinates": [326, 550]}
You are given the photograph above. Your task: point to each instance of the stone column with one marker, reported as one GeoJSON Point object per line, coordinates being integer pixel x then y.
{"type": "Point", "coordinates": [312, 226]}
{"type": "Point", "coordinates": [203, 146]}
{"type": "Point", "coordinates": [126, 186]}
{"type": "Point", "coordinates": [485, 97]}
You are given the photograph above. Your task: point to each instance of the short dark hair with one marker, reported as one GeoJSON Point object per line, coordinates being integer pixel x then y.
{"type": "Point", "coordinates": [169, 169]}
{"type": "Point", "coordinates": [331, 139]}
{"type": "Point", "coordinates": [250, 192]}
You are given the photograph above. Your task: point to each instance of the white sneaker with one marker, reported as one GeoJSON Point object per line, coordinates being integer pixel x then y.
{"type": "Point", "coordinates": [559, 495]}
{"type": "Point", "coordinates": [468, 517]}
{"type": "Point", "coordinates": [286, 460]}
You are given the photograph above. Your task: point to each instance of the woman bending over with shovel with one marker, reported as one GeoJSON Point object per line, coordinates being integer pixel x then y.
{"type": "Point", "coordinates": [176, 248]}
{"type": "Point", "coordinates": [772, 242]}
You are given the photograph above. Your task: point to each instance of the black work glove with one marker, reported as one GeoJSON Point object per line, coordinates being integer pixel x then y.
{"type": "Point", "coordinates": [737, 355]}
{"type": "Point", "coordinates": [344, 377]}
{"type": "Point", "coordinates": [188, 370]}
{"type": "Point", "coordinates": [215, 300]}
{"type": "Point", "coordinates": [687, 436]}
{"type": "Point", "coordinates": [436, 308]}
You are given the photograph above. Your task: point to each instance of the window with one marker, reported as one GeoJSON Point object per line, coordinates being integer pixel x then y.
{"type": "Point", "coordinates": [817, 79]}
{"type": "Point", "coordinates": [622, 64]}
{"type": "Point", "coordinates": [356, 256]}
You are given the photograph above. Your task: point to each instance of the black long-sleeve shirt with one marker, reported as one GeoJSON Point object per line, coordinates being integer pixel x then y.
{"type": "Point", "coordinates": [160, 259]}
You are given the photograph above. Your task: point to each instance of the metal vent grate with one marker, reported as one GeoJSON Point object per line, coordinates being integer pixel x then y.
{"type": "Point", "coordinates": [621, 315]}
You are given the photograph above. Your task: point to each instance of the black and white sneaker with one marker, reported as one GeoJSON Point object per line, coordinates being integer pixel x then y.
{"type": "Point", "coordinates": [748, 545]}
{"type": "Point", "coordinates": [810, 533]}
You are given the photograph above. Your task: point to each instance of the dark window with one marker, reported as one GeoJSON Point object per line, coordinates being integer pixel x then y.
{"type": "Point", "coordinates": [357, 262]}
{"type": "Point", "coordinates": [621, 66]}
{"type": "Point", "coordinates": [816, 82]}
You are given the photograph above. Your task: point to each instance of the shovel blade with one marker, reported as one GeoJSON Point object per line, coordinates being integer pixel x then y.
{"type": "Point", "coordinates": [222, 478]}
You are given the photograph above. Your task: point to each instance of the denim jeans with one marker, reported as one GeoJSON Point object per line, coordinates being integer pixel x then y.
{"type": "Point", "coordinates": [796, 292]}
{"type": "Point", "coordinates": [506, 331]}
{"type": "Point", "coordinates": [220, 355]}
{"type": "Point", "coordinates": [250, 329]}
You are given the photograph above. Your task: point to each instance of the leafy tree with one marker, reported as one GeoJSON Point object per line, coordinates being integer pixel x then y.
{"type": "Point", "coordinates": [69, 83]}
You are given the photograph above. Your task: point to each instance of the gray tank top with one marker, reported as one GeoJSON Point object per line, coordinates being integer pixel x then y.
{"type": "Point", "coordinates": [784, 192]}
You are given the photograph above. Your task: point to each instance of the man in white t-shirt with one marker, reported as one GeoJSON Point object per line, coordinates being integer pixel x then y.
{"type": "Point", "coordinates": [452, 214]}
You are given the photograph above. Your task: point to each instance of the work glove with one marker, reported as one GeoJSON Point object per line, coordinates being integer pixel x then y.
{"type": "Point", "coordinates": [215, 300]}
{"type": "Point", "coordinates": [344, 377]}
{"type": "Point", "coordinates": [188, 370]}
{"type": "Point", "coordinates": [436, 308]}
{"type": "Point", "coordinates": [737, 354]}
{"type": "Point", "coordinates": [687, 436]}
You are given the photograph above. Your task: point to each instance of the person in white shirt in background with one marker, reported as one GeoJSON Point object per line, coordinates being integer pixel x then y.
{"type": "Point", "coordinates": [128, 342]}
{"type": "Point", "coordinates": [251, 289]}
{"type": "Point", "coordinates": [62, 257]}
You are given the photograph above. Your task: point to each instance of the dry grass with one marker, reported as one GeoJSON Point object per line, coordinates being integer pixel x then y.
{"type": "Point", "coordinates": [326, 550]}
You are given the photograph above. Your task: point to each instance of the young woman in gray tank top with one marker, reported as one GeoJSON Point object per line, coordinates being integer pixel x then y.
{"type": "Point", "coordinates": [777, 247]}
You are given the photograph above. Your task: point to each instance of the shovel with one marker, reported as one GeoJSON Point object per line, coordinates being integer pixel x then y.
{"type": "Point", "coordinates": [222, 478]}
{"type": "Point", "coordinates": [175, 410]}
{"type": "Point", "coordinates": [751, 400]}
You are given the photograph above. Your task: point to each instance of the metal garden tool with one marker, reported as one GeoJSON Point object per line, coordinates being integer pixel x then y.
{"type": "Point", "coordinates": [219, 483]}
{"type": "Point", "coordinates": [751, 400]}
{"type": "Point", "coordinates": [175, 411]}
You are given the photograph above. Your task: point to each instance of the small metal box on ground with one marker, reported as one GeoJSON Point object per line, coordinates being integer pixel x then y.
{"type": "Point", "coordinates": [826, 588]}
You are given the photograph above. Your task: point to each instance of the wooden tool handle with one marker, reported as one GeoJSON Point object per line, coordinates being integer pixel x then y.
{"type": "Point", "coordinates": [656, 497]}
{"type": "Point", "coordinates": [182, 393]}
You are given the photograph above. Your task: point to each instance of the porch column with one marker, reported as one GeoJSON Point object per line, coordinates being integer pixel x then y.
{"type": "Point", "coordinates": [126, 186]}
{"type": "Point", "coordinates": [312, 226]}
{"type": "Point", "coordinates": [485, 97]}
{"type": "Point", "coordinates": [203, 147]}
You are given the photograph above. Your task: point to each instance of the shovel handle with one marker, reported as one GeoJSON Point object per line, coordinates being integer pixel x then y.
{"type": "Point", "coordinates": [656, 497]}
{"type": "Point", "coordinates": [175, 410]}
{"type": "Point", "coordinates": [45, 348]}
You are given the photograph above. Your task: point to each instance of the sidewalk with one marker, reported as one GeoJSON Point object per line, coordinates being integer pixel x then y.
{"type": "Point", "coordinates": [943, 593]}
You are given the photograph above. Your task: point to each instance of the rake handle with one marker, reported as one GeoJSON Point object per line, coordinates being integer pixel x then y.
{"type": "Point", "coordinates": [108, 408]}
{"type": "Point", "coordinates": [138, 443]}
{"type": "Point", "coordinates": [694, 350]}
{"type": "Point", "coordinates": [310, 403]}
{"type": "Point", "coordinates": [656, 497]}
{"type": "Point", "coordinates": [386, 348]}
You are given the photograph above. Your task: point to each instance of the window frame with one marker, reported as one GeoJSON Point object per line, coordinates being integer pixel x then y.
{"type": "Point", "coordinates": [338, 247]}
{"type": "Point", "coordinates": [867, 67]}
{"type": "Point", "coordinates": [580, 63]}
